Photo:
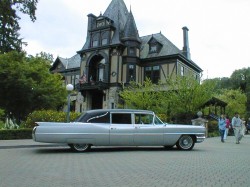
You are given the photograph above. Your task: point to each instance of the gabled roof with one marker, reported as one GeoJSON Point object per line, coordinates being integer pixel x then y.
{"type": "Point", "coordinates": [68, 63]}
{"type": "Point", "coordinates": [73, 62]}
{"type": "Point", "coordinates": [215, 102]}
{"type": "Point", "coordinates": [168, 48]}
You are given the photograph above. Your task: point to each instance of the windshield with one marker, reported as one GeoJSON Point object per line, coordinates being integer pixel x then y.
{"type": "Point", "coordinates": [158, 121]}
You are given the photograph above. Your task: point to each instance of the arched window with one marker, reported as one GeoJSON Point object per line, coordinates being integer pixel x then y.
{"type": "Point", "coordinates": [101, 67]}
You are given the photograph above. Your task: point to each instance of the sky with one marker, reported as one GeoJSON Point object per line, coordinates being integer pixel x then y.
{"type": "Point", "coordinates": [219, 30]}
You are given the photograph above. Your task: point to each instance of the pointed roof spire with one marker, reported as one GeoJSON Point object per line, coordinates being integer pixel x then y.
{"type": "Point", "coordinates": [130, 29]}
{"type": "Point", "coordinates": [118, 12]}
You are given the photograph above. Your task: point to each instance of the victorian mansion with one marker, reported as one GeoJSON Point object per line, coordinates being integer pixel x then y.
{"type": "Point", "coordinates": [114, 54]}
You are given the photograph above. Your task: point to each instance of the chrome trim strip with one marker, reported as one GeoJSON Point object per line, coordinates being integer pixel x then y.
{"type": "Point", "coordinates": [34, 133]}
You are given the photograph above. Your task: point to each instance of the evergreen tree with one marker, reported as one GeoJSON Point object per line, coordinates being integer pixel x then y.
{"type": "Point", "coordinates": [9, 26]}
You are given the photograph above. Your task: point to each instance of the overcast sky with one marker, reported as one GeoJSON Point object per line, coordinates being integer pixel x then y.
{"type": "Point", "coordinates": [219, 30]}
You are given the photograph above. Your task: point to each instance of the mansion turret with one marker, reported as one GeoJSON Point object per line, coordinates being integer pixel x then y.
{"type": "Point", "coordinates": [114, 54]}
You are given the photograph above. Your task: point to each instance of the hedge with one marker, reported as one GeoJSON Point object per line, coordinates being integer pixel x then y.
{"type": "Point", "coordinates": [47, 116]}
{"type": "Point", "coordinates": [15, 134]}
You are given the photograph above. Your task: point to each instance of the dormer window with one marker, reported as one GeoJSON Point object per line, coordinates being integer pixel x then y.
{"type": "Point", "coordinates": [154, 46]}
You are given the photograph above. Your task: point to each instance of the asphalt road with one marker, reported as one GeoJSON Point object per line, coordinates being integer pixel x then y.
{"type": "Point", "coordinates": [24, 163]}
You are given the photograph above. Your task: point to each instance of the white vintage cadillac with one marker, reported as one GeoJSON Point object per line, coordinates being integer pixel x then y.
{"type": "Point", "coordinates": [118, 127]}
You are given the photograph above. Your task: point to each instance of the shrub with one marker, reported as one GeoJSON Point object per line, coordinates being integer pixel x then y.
{"type": "Point", "coordinates": [10, 124]}
{"type": "Point", "coordinates": [15, 134]}
{"type": "Point", "coordinates": [1, 125]}
{"type": "Point", "coordinates": [1, 114]}
{"type": "Point", "coordinates": [213, 134]}
{"type": "Point", "coordinates": [48, 116]}
{"type": "Point", "coordinates": [213, 128]}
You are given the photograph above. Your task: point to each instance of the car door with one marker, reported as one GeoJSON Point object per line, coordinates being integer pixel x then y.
{"type": "Point", "coordinates": [121, 129]}
{"type": "Point", "coordinates": [146, 131]}
{"type": "Point", "coordinates": [96, 127]}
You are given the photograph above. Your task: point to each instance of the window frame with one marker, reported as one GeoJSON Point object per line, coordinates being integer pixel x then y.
{"type": "Point", "coordinates": [152, 72]}
{"type": "Point", "coordinates": [129, 73]}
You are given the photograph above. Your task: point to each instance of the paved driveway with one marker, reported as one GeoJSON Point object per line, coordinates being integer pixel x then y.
{"type": "Point", "coordinates": [24, 163]}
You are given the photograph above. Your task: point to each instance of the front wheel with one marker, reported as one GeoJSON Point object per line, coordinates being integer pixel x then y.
{"type": "Point", "coordinates": [186, 142]}
{"type": "Point", "coordinates": [80, 147]}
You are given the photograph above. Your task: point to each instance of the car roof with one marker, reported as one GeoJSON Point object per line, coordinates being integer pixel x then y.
{"type": "Point", "coordinates": [120, 111]}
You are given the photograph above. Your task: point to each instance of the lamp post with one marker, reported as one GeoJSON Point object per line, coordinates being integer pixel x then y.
{"type": "Point", "coordinates": [69, 88]}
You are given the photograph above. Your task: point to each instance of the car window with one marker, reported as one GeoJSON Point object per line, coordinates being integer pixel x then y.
{"type": "Point", "coordinates": [158, 121]}
{"type": "Point", "coordinates": [95, 117]}
{"type": "Point", "coordinates": [118, 118]}
{"type": "Point", "coordinates": [144, 119]}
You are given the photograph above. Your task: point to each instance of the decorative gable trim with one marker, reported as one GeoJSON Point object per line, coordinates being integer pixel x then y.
{"type": "Point", "coordinates": [58, 66]}
{"type": "Point", "coordinates": [154, 46]}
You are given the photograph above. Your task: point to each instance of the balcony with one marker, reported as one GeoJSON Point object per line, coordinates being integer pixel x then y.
{"type": "Point", "coordinates": [99, 85]}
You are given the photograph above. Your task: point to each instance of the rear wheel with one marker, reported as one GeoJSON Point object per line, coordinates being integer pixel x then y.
{"type": "Point", "coordinates": [186, 142]}
{"type": "Point", "coordinates": [80, 147]}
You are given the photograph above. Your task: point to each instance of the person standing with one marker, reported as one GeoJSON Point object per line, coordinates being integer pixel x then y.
{"type": "Point", "coordinates": [227, 127]}
{"type": "Point", "coordinates": [236, 124]}
{"type": "Point", "coordinates": [243, 127]}
{"type": "Point", "coordinates": [222, 127]}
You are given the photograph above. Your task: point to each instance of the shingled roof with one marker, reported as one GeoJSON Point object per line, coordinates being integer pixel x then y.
{"type": "Point", "coordinates": [68, 63]}
{"type": "Point", "coordinates": [168, 48]}
{"type": "Point", "coordinates": [118, 12]}
{"type": "Point", "coordinates": [125, 25]}
{"type": "Point", "coordinates": [130, 28]}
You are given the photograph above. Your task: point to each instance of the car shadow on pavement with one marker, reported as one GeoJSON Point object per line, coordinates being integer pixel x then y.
{"type": "Point", "coordinates": [109, 149]}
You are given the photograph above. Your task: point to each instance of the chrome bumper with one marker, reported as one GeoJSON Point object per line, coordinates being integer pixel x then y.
{"type": "Point", "coordinates": [200, 138]}
{"type": "Point", "coordinates": [33, 134]}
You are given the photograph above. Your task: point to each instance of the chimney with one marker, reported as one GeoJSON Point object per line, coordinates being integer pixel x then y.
{"type": "Point", "coordinates": [91, 21]}
{"type": "Point", "coordinates": [186, 50]}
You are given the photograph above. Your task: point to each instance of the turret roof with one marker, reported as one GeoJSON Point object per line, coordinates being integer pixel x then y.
{"type": "Point", "coordinates": [130, 29]}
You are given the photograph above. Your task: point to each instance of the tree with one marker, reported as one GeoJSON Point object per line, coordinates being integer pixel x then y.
{"type": "Point", "coordinates": [186, 95]}
{"type": "Point", "coordinates": [141, 96]}
{"type": "Point", "coordinates": [9, 27]}
{"type": "Point", "coordinates": [241, 80]}
{"type": "Point", "coordinates": [181, 96]}
{"type": "Point", "coordinates": [236, 101]}
{"type": "Point", "coordinates": [27, 85]}
{"type": "Point", "coordinates": [46, 56]}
